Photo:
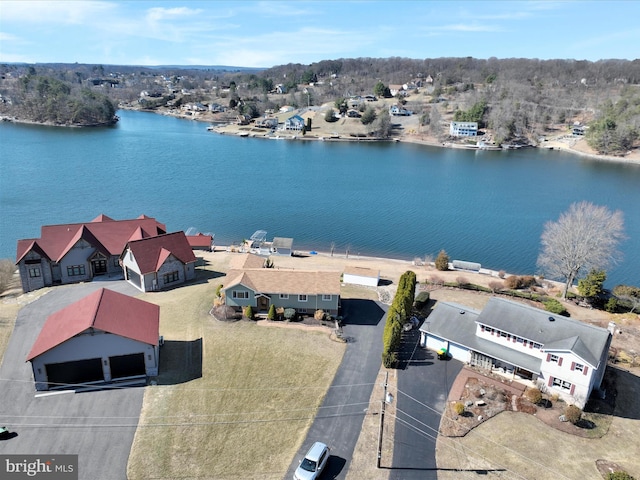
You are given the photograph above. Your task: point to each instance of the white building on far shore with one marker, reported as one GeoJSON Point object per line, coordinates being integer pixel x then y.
{"type": "Point", "coordinates": [463, 129]}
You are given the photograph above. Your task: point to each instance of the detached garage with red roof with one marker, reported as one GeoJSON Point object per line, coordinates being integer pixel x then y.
{"type": "Point", "coordinates": [104, 337]}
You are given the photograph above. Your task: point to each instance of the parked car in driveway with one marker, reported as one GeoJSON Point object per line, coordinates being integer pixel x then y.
{"type": "Point", "coordinates": [313, 462]}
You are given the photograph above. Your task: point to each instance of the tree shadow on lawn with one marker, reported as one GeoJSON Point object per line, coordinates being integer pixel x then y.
{"type": "Point", "coordinates": [180, 361]}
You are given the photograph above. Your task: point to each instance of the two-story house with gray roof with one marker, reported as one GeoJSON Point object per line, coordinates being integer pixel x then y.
{"type": "Point", "coordinates": [559, 354]}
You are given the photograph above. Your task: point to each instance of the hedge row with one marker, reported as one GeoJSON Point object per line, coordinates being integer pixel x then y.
{"type": "Point", "coordinates": [398, 314]}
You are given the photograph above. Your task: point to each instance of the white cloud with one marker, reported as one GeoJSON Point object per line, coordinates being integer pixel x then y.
{"type": "Point", "coordinates": [465, 27]}
{"type": "Point", "coordinates": [55, 12]}
{"type": "Point", "coordinates": [158, 14]}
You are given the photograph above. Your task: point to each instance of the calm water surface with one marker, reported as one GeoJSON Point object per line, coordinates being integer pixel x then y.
{"type": "Point", "coordinates": [396, 200]}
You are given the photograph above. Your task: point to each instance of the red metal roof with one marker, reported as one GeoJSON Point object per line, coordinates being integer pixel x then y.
{"type": "Point", "coordinates": [103, 310]}
{"type": "Point", "coordinates": [200, 240]}
{"type": "Point", "coordinates": [150, 253]}
{"type": "Point", "coordinates": [108, 235]}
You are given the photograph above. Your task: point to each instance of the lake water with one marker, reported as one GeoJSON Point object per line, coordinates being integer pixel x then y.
{"type": "Point", "coordinates": [397, 200]}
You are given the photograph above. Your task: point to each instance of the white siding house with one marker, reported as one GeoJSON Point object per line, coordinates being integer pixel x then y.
{"type": "Point", "coordinates": [463, 129]}
{"type": "Point", "coordinates": [560, 355]}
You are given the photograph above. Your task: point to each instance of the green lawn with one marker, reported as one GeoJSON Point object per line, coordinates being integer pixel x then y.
{"type": "Point", "coordinates": [233, 400]}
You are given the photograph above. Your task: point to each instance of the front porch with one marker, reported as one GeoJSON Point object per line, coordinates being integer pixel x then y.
{"type": "Point", "coordinates": [502, 369]}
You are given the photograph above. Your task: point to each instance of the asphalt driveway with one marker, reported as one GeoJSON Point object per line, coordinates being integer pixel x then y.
{"type": "Point", "coordinates": [423, 387]}
{"type": "Point", "coordinates": [340, 418]}
{"type": "Point", "coordinates": [97, 426]}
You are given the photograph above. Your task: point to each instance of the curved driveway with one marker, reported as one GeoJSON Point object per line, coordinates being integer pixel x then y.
{"type": "Point", "coordinates": [98, 426]}
{"type": "Point", "coordinates": [341, 415]}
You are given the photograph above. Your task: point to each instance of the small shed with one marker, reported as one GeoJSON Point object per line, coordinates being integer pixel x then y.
{"type": "Point", "coordinates": [282, 246]}
{"type": "Point", "coordinates": [201, 241]}
{"type": "Point", "coordinates": [361, 276]}
{"type": "Point", "coordinates": [104, 337]}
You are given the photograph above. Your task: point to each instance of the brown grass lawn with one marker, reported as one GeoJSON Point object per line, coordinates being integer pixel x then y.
{"type": "Point", "coordinates": [235, 400]}
{"type": "Point", "coordinates": [8, 315]}
{"type": "Point", "coordinates": [248, 412]}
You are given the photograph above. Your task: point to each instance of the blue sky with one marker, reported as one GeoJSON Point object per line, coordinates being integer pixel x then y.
{"type": "Point", "coordinates": [267, 33]}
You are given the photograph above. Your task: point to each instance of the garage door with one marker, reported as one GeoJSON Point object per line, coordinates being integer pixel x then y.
{"type": "Point", "coordinates": [134, 277]}
{"type": "Point", "coordinates": [127, 365]}
{"type": "Point", "coordinates": [73, 373]}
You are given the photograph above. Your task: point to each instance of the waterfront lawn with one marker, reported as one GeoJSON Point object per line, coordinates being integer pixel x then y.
{"type": "Point", "coordinates": [237, 404]}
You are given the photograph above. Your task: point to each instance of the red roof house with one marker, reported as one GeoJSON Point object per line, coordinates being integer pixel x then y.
{"type": "Point", "coordinates": [158, 262]}
{"type": "Point", "coordinates": [103, 337]}
{"type": "Point", "coordinates": [76, 252]}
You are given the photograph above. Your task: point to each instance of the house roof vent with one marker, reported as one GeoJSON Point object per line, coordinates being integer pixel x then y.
{"type": "Point", "coordinates": [551, 319]}
{"type": "Point", "coordinates": [461, 312]}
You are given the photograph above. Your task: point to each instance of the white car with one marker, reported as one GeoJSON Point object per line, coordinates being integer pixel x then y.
{"type": "Point", "coordinates": [313, 462]}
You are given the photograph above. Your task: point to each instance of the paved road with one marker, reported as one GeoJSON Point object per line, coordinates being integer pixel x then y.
{"type": "Point", "coordinates": [98, 426]}
{"type": "Point", "coordinates": [423, 386]}
{"type": "Point", "coordinates": [340, 423]}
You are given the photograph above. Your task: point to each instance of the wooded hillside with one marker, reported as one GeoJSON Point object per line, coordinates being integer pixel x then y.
{"type": "Point", "coordinates": [516, 99]}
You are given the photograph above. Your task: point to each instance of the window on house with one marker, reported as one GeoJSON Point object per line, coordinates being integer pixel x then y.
{"type": "Point", "coordinates": [503, 334]}
{"type": "Point", "coordinates": [237, 294]}
{"type": "Point", "coordinates": [553, 358]}
{"type": "Point", "coordinates": [561, 384]}
{"type": "Point", "coordinates": [75, 270]}
{"type": "Point", "coordinates": [520, 340]}
{"type": "Point", "coordinates": [578, 367]}
{"type": "Point", "coordinates": [284, 296]}
{"type": "Point", "coordinates": [302, 298]}
{"type": "Point", "coordinates": [171, 277]}
{"type": "Point", "coordinates": [34, 272]}
{"type": "Point", "coordinates": [536, 345]}
{"type": "Point", "coordinates": [326, 297]}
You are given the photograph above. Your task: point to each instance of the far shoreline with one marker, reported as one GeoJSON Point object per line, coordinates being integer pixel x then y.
{"type": "Point", "coordinates": [229, 128]}
{"type": "Point", "coordinates": [232, 129]}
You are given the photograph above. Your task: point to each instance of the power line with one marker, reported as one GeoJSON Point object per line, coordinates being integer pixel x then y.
{"type": "Point", "coordinates": [443, 415]}
{"type": "Point", "coordinates": [217, 389]}
{"type": "Point", "coordinates": [446, 444]}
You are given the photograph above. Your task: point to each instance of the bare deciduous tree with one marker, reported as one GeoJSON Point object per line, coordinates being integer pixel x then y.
{"type": "Point", "coordinates": [628, 293]}
{"type": "Point", "coordinates": [585, 237]}
{"type": "Point", "coordinates": [7, 269]}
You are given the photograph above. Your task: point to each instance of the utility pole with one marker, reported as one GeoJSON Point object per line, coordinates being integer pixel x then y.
{"type": "Point", "coordinates": [384, 399]}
